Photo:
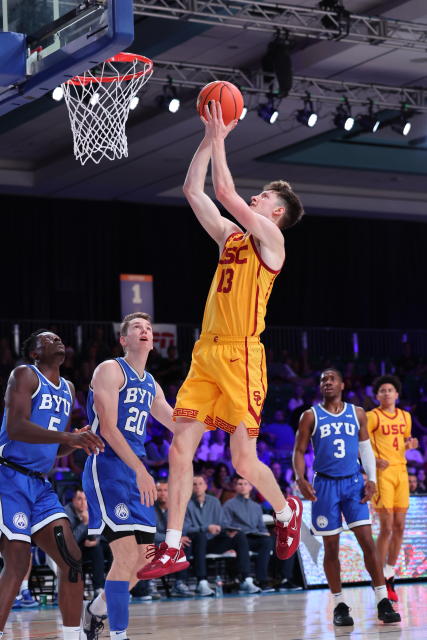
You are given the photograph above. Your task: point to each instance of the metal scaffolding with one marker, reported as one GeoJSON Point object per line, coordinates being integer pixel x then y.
{"type": "Point", "coordinates": [306, 22]}
{"type": "Point", "coordinates": [192, 75]}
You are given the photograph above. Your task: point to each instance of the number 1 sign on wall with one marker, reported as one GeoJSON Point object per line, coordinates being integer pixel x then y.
{"type": "Point", "coordinates": [136, 294]}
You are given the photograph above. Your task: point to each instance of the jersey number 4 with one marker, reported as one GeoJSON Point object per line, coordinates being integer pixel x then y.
{"type": "Point", "coordinates": [136, 421]}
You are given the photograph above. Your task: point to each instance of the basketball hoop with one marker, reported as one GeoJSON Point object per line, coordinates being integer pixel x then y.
{"type": "Point", "coordinates": [98, 105]}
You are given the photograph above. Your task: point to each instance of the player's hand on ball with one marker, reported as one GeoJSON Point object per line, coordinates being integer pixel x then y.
{"type": "Point", "coordinates": [307, 489]}
{"type": "Point", "coordinates": [370, 490]}
{"type": "Point", "coordinates": [146, 487]}
{"type": "Point", "coordinates": [215, 129]}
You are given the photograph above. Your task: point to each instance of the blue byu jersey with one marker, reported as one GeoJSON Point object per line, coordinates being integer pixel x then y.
{"type": "Point", "coordinates": [135, 399]}
{"type": "Point", "coordinates": [50, 409]}
{"type": "Point", "coordinates": [335, 441]}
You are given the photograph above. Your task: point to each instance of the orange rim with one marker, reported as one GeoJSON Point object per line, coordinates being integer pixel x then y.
{"type": "Point", "coordinates": [119, 57]}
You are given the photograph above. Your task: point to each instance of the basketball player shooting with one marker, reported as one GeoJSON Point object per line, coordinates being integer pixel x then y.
{"type": "Point", "coordinates": [226, 385]}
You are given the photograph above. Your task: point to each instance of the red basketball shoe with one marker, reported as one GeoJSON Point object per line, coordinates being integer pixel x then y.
{"type": "Point", "coordinates": [391, 593]}
{"type": "Point", "coordinates": [288, 535]}
{"type": "Point", "coordinates": [165, 560]}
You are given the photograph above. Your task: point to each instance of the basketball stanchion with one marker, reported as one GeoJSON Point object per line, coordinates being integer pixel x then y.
{"type": "Point", "coordinates": [99, 102]}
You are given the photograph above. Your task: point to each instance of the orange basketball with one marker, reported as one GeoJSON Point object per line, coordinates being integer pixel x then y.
{"type": "Point", "coordinates": [227, 94]}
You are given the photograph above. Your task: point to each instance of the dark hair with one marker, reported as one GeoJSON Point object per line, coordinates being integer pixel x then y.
{"type": "Point", "coordinates": [131, 316]}
{"type": "Point", "coordinates": [76, 489]}
{"type": "Point", "coordinates": [294, 210]}
{"type": "Point", "coordinates": [236, 477]}
{"type": "Point", "coordinates": [340, 375]}
{"type": "Point", "coordinates": [216, 475]}
{"type": "Point", "coordinates": [162, 480]}
{"type": "Point", "coordinates": [387, 379]}
{"type": "Point", "coordinates": [30, 344]}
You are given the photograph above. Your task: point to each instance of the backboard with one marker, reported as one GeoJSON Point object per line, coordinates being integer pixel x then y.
{"type": "Point", "coordinates": [61, 38]}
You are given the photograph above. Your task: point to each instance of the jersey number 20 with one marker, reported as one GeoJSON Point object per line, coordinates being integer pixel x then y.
{"type": "Point", "coordinates": [136, 421]}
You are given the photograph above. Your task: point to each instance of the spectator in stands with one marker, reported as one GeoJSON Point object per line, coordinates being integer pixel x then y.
{"type": "Point", "coordinates": [278, 473]}
{"type": "Point", "coordinates": [281, 435]}
{"type": "Point", "coordinates": [415, 458]}
{"type": "Point", "coordinates": [264, 452]}
{"type": "Point", "coordinates": [297, 399]}
{"type": "Point", "coordinates": [217, 445]}
{"type": "Point", "coordinates": [202, 451]}
{"type": "Point", "coordinates": [421, 479]}
{"type": "Point", "coordinates": [209, 532]}
{"type": "Point", "coordinates": [93, 549]}
{"type": "Point", "coordinates": [245, 515]}
{"type": "Point", "coordinates": [222, 487]}
{"type": "Point", "coordinates": [157, 448]}
{"type": "Point", "coordinates": [413, 484]}
{"type": "Point", "coordinates": [171, 368]}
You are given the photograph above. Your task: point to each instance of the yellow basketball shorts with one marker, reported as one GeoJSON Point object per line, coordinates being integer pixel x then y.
{"type": "Point", "coordinates": [226, 384]}
{"type": "Point", "coordinates": [392, 489]}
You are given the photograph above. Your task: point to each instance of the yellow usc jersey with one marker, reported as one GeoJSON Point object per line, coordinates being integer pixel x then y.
{"type": "Point", "coordinates": [388, 433]}
{"type": "Point", "coordinates": [240, 289]}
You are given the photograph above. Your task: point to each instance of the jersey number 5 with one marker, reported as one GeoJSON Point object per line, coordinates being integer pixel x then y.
{"type": "Point", "coordinates": [226, 281]}
{"type": "Point", "coordinates": [136, 421]}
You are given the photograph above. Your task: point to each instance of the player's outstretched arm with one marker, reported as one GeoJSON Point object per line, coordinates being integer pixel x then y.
{"type": "Point", "coordinates": [261, 228]}
{"type": "Point", "coordinates": [162, 410]}
{"type": "Point", "coordinates": [302, 439]}
{"type": "Point", "coordinates": [22, 383]}
{"type": "Point", "coordinates": [204, 208]}
{"type": "Point", "coordinates": [106, 383]}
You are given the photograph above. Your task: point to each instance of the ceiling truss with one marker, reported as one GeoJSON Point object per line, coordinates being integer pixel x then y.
{"type": "Point", "coordinates": [298, 21]}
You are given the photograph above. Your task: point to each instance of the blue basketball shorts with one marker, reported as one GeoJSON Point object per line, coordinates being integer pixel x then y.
{"type": "Point", "coordinates": [338, 497]}
{"type": "Point", "coordinates": [113, 497]}
{"type": "Point", "coordinates": [26, 505]}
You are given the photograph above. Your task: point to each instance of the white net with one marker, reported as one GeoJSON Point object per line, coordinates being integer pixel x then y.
{"type": "Point", "coordinates": [99, 102]}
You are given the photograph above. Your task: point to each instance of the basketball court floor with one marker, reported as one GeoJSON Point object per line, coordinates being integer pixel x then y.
{"type": "Point", "coordinates": [305, 615]}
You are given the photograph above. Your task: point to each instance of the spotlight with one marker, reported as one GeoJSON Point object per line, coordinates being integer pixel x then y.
{"type": "Point", "coordinates": [307, 116]}
{"type": "Point", "coordinates": [369, 121]}
{"type": "Point", "coordinates": [133, 103]}
{"type": "Point", "coordinates": [94, 99]}
{"type": "Point", "coordinates": [268, 112]}
{"type": "Point", "coordinates": [169, 99]}
{"type": "Point", "coordinates": [343, 118]}
{"type": "Point", "coordinates": [58, 94]}
{"type": "Point", "coordinates": [244, 113]}
{"type": "Point", "coordinates": [174, 105]}
{"type": "Point", "coordinates": [403, 126]}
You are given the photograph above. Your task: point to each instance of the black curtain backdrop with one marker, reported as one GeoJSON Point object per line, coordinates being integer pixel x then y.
{"type": "Point", "coordinates": [61, 260]}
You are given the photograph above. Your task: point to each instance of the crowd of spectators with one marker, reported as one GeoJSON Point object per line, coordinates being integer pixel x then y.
{"type": "Point", "coordinates": [293, 387]}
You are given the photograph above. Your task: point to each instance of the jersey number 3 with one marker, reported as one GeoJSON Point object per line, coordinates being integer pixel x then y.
{"type": "Point", "coordinates": [136, 421]}
{"type": "Point", "coordinates": [340, 444]}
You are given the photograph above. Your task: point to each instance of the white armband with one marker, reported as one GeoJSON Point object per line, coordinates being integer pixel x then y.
{"type": "Point", "coordinates": [368, 459]}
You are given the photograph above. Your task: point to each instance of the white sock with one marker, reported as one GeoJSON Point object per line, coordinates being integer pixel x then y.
{"type": "Point", "coordinates": [71, 633]}
{"type": "Point", "coordinates": [338, 598]}
{"type": "Point", "coordinates": [173, 538]}
{"type": "Point", "coordinates": [285, 514]}
{"type": "Point", "coordinates": [118, 635]}
{"type": "Point", "coordinates": [24, 585]}
{"type": "Point", "coordinates": [99, 606]}
{"type": "Point", "coordinates": [1, 635]}
{"type": "Point", "coordinates": [380, 593]}
{"type": "Point", "coordinates": [388, 571]}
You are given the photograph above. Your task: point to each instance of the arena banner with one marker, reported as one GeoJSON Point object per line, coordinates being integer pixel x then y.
{"type": "Point", "coordinates": [136, 293]}
{"type": "Point", "coordinates": [412, 561]}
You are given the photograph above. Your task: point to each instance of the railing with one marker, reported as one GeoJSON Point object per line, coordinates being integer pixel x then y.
{"type": "Point", "coordinates": [320, 342]}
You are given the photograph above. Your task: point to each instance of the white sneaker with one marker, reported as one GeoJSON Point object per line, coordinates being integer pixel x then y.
{"type": "Point", "coordinates": [248, 586]}
{"type": "Point", "coordinates": [203, 589]}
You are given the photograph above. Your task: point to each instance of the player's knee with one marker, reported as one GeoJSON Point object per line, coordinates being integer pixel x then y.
{"type": "Point", "coordinates": [179, 453]}
{"type": "Point", "coordinates": [398, 528]}
{"type": "Point", "coordinates": [387, 529]}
